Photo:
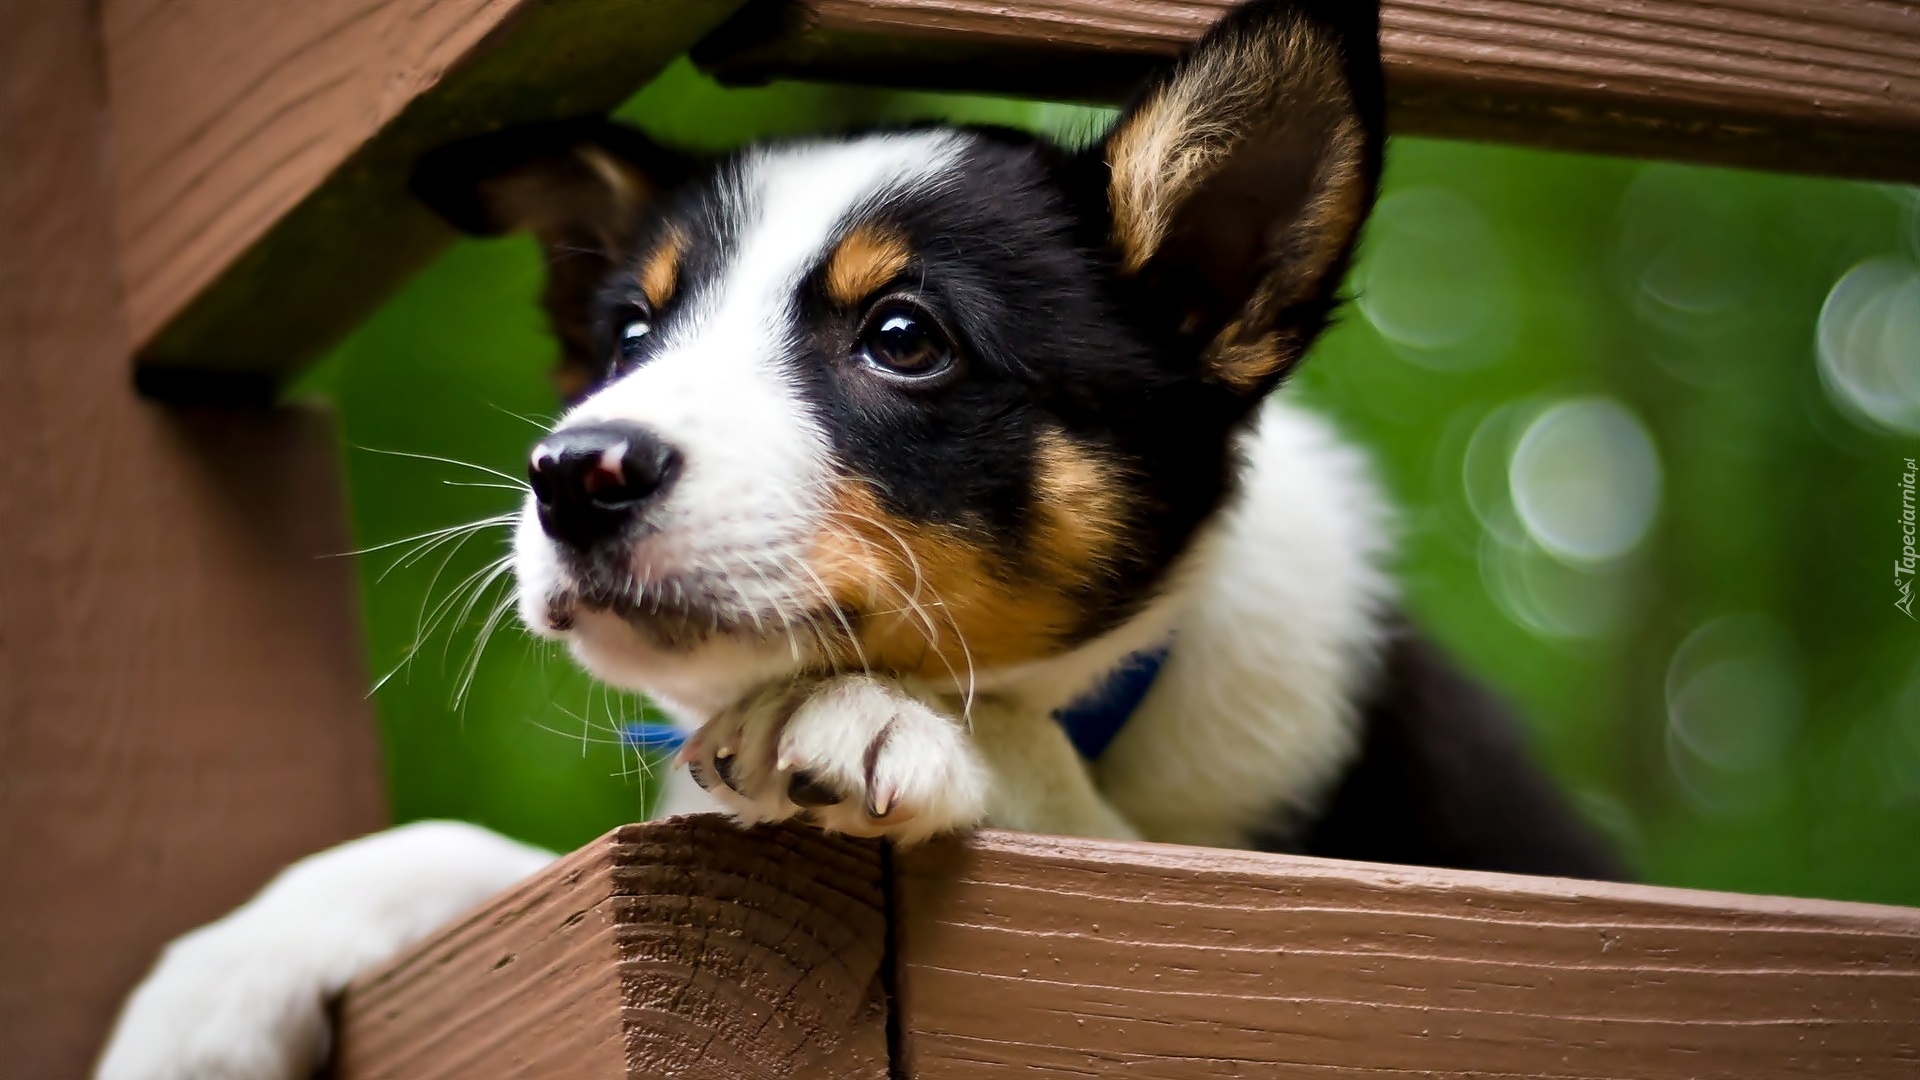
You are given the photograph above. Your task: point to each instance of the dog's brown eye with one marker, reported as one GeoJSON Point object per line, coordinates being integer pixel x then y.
{"type": "Point", "coordinates": [633, 339]}
{"type": "Point", "coordinates": [902, 340]}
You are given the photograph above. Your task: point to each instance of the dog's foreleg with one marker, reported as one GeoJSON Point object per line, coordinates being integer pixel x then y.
{"type": "Point", "coordinates": [1039, 782]}
{"type": "Point", "coordinates": [245, 998]}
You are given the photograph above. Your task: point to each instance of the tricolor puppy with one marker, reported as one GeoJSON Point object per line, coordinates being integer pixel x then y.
{"type": "Point", "coordinates": [931, 478]}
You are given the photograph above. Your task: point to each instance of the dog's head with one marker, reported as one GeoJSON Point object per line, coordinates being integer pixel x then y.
{"type": "Point", "coordinates": [927, 401]}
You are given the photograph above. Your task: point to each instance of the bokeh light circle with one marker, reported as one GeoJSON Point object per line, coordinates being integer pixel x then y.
{"type": "Point", "coordinates": [1733, 693]}
{"type": "Point", "coordinates": [1550, 598]}
{"type": "Point", "coordinates": [1869, 344]}
{"type": "Point", "coordinates": [1484, 467]}
{"type": "Point", "coordinates": [1684, 252]}
{"type": "Point", "coordinates": [1909, 200]}
{"type": "Point", "coordinates": [1585, 480]}
{"type": "Point", "coordinates": [1435, 281]}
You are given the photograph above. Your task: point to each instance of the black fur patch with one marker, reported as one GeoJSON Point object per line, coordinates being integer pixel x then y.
{"type": "Point", "coordinates": [1444, 779]}
{"type": "Point", "coordinates": [1045, 341]}
{"type": "Point", "coordinates": [1137, 353]}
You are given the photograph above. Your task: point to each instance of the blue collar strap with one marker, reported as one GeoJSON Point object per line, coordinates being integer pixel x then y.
{"type": "Point", "coordinates": [652, 736]}
{"type": "Point", "coordinates": [1094, 718]}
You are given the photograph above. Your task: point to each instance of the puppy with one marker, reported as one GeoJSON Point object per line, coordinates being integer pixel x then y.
{"type": "Point", "coordinates": [931, 478]}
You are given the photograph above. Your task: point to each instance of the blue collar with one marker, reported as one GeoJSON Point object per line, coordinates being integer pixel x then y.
{"type": "Point", "coordinates": [1094, 718]}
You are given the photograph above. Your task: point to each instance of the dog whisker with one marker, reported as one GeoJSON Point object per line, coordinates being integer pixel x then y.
{"type": "Point", "coordinates": [518, 484]}
{"type": "Point", "coordinates": [430, 619]}
{"type": "Point", "coordinates": [472, 667]}
{"type": "Point", "coordinates": [429, 535]}
{"type": "Point", "coordinates": [543, 425]}
{"type": "Point", "coordinates": [495, 571]}
{"type": "Point", "coordinates": [482, 484]}
{"type": "Point", "coordinates": [457, 538]}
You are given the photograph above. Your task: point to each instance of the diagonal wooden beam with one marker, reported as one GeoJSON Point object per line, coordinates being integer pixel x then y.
{"type": "Point", "coordinates": [1830, 87]}
{"type": "Point", "coordinates": [262, 151]}
{"type": "Point", "coordinates": [692, 949]}
{"type": "Point", "coordinates": [688, 949]}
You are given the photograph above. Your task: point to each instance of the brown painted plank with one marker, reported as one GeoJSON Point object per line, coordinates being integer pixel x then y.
{"type": "Point", "coordinates": [693, 949]}
{"type": "Point", "coordinates": [182, 701]}
{"type": "Point", "coordinates": [263, 149]}
{"type": "Point", "coordinates": [1831, 87]}
{"type": "Point", "coordinates": [687, 949]}
{"type": "Point", "coordinates": [1054, 957]}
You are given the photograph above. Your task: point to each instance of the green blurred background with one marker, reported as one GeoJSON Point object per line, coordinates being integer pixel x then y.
{"type": "Point", "coordinates": [1647, 423]}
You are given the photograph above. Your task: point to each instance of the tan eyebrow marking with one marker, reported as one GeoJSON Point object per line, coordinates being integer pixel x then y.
{"type": "Point", "coordinates": [863, 262]}
{"type": "Point", "coordinates": [660, 274]}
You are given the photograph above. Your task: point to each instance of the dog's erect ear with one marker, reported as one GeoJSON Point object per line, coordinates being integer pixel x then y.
{"type": "Point", "coordinates": [1237, 182]}
{"type": "Point", "coordinates": [580, 186]}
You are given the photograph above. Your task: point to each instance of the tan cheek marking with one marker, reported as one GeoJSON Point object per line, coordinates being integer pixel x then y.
{"type": "Point", "coordinates": [1079, 519]}
{"type": "Point", "coordinates": [660, 274]}
{"type": "Point", "coordinates": [928, 600]}
{"type": "Point", "coordinates": [865, 262]}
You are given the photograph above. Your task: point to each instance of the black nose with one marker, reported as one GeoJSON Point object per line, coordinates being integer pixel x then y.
{"type": "Point", "coordinates": [590, 481]}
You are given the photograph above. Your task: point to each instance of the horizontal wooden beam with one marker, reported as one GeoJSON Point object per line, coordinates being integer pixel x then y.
{"type": "Point", "coordinates": [262, 151]}
{"type": "Point", "coordinates": [1830, 87]}
{"type": "Point", "coordinates": [692, 949]}
{"type": "Point", "coordinates": [1074, 957]}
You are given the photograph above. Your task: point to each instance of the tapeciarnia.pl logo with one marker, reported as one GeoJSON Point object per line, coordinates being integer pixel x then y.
{"type": "Point", "coordinates": [1903, 566]}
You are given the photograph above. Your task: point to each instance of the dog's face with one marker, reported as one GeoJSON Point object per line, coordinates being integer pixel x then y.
{"type": "Point", "coordinates": [929, 402]}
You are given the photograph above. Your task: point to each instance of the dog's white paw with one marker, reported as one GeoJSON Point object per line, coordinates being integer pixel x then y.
{"type": "Point", "coordinates": [220, 1006]}
{"type": "Point", "coordinates": [246, 998]}
{"type": "Point", "coordinates": [852, 754]}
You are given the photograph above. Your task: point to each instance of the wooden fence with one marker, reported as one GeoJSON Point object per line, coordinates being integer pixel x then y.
{"type": "Point", "coordinates": [695, 950]}
{"type": "Point", "coordinates": [200, 196]}
{"type": "Point", "coordinates": [264, 209]}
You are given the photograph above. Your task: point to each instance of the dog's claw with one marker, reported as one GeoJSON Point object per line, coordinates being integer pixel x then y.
{"type": "Point", "coordinates": [698, 773]}
{"type": "Point", "coordinates": [723, 768]}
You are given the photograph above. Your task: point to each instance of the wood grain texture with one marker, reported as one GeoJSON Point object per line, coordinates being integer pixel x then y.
{"type": "Point", "coordinates": [1830, 87]}
{"type": "Point", "coordinates": [690, 948]}
{"type": "Point", "coordinates": [1053, 957]}
{"type": "Point", "coordinates": [263, 149]}
{"type": "Point", "coordinates": [182, 702]}
{"type": "Point", "coordinates": [687, 949]}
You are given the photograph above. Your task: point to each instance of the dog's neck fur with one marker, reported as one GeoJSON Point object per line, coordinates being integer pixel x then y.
{"type": "Point", "coordinates": [1306, 534]}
